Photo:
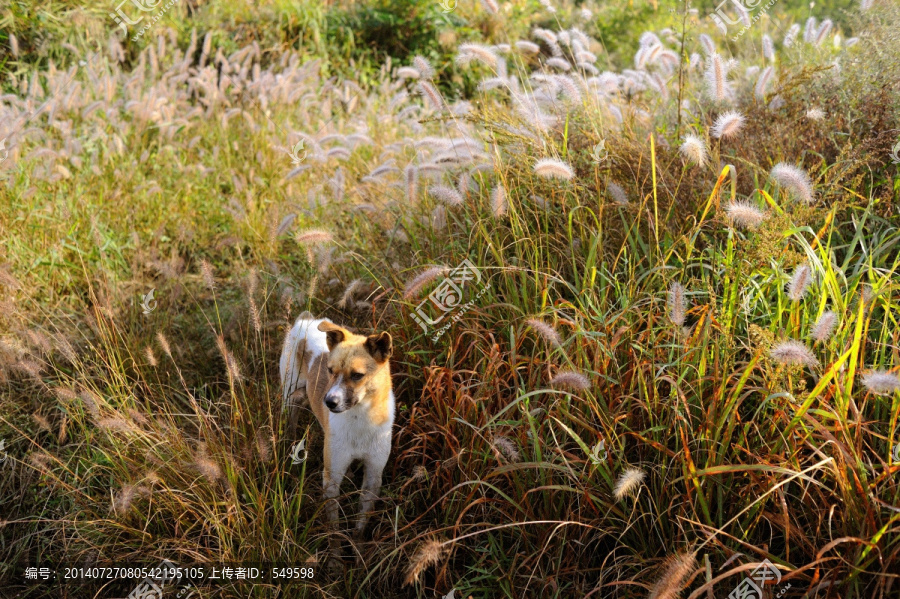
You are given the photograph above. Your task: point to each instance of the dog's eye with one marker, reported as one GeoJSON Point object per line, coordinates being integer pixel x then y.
{"type": "Point", "coordinates": [357, 376]}
{"type": "Point", "coordinates": [330, 371]}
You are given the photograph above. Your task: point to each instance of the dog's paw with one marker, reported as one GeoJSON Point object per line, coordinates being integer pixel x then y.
{"type": "Point", "coordinates": [336, 566]}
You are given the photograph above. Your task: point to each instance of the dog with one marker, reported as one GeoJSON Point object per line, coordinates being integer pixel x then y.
{"type": "Point", "coordinates": [347, 380]}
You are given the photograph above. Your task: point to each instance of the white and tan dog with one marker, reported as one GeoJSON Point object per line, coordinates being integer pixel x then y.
{"type": "Point", "coordinates": [347, 379]}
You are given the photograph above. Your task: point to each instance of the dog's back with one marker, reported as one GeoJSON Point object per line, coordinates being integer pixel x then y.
{"type": "Point", "coordinates": [304, 369]}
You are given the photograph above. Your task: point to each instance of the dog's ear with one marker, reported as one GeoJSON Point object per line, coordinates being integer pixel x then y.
{"type": "Point", "coordinates": [334, 334]}
{"type": "Point", "coordinates": [380, 346]}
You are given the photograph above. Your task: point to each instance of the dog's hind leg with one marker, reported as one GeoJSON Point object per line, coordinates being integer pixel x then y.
{"type": "Point", "coordinates": [294, 376]}
{"type": "Point", "coordinates": [296, 402]}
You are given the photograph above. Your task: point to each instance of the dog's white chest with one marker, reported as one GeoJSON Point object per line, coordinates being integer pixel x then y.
{"type": "Point", "coordinates": [352, 433]}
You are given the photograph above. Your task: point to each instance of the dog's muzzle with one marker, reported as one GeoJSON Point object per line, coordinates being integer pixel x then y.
{"type": "Point", "coordinates": [333, 404]}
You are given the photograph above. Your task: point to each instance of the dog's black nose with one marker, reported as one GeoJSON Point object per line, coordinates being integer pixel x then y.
{"type": "Point", "coordinates": [330, 403]}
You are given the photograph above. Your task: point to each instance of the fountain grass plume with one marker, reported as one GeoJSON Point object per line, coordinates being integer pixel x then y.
{"type": "Point", "coordinates": [628, 483]}
{"type": "Point", "coordinates": [728, 124]}
{"type": "Point", "coordinates": [799, 283]}
{"type": "Point", "coordinates": [795, 180]}
{"type": "Point", "coordinates": [793, 353]}
{"type": "Point", "coordinates": [694, 149]}
{"type": "Point", "coordinates": [553, 169]}
{"type": "Point", "coordinates": [824, 326]}
{"type": "Point", "coordinates": [676, 303]}
{"type": "Point", "coordinates": [716, 77]}
{"type": "Point", "coordinates": [745, 215]}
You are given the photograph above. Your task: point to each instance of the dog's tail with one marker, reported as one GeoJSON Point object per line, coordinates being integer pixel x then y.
{"type": "Point", "coordinates": [291, 364]}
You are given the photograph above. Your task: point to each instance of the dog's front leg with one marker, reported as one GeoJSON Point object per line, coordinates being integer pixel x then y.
{"type": "Point", "coordinates": [335, 470]}
{"type": "Point", "coordinates": [371, 487]}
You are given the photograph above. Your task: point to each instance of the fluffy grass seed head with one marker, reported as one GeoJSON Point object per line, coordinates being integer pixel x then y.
{"type": "Point", "coordinates": [164, 344]}
{"type": "Point", "coordinates": [545, 330]}
{"type": "Point", "coordinates": [881, 382]}
{"type": "Point", "coordinates": [728, 124]}
{"type": "Point", "coordinates": [446, 195]}
{"type": "Point", "coordinates": [478, 52]}
{"type": "Point", "coordinates": [615, 191]}
{"type": "Point", "coordinates": [415, 286]}
{"type": "Point", "coordinates": [628, 483]}
{"type": "Point", "coordinates": [762, 83]}
{"type": "Point", "coordinates": [506, 447]}
{"type": "Point", "coordinates": [793, 353]}
{"type": "Point", "coordinates": [795, 180]}
{"type": "Point", "coordinates": [569, 379]}
{"type": "Point", "coordinates": [676, 303]}
{"type": "Point", "coordinates": [407, 73]}
{"type": "Point", "coordinates": [499, 203]}
{"type": "Point", "coordinates": [824, 327]}
{"type": "Point", "coordinates": [745, 215]}
{"type": "Point", "coordinates": [429, 553]}
{"type": "Point", "coordinates": [349, 295]}
{"type": "Point", "coordinates": [151, 356]}
{"type": "Point", "coordinates": [743, 14]}
{"type": "Point", "coordinates": [799, 283]}
{"type": "Point", "coordinates": [123, 499]}
{"type": "Point", "coordinates": [313, 236]}
{"type": "Point", "coordinates": [411, 174]}
{"type": "Point", "coordinates": [823, 31]}
{"type": "Point", "coordinates": [815, 114]}
{"type": "Point", "coordinates": [791, 36]}
{"type": "Point", "coordinates": [559, 63]}
{"type": "Point", "coordinates": [426, 71]}
{"type": "Point", "coordinates": [716, 77]}
{"type": "Point", "coordinates": [207, 467]}
{"type": "Point", "coordinates": [207, 272]}
{"type": "Point", "coordinates": [768, 48]}
{"type": "Point", "coordinates": [526, 47]}
{"type": "Point", "coordinates": [554, 169]}
{"type": "Point", "coordinates": [694, 149]}
{"type": "Point", "coordinates": [431, 94]}
{"type": "Point", "coordinates": [547, 5]}
{"type": "Point", "coordinates": [491, 6]}
{"type": "Point", "coordinates": [677, 569]}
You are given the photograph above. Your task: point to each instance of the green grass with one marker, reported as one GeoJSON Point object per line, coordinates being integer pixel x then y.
{"type": "Point", "coordinates": [137, 438]}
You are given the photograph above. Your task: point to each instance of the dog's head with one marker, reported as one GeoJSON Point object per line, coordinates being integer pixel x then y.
{"type": "Point", "coordinates": [358, 367]}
